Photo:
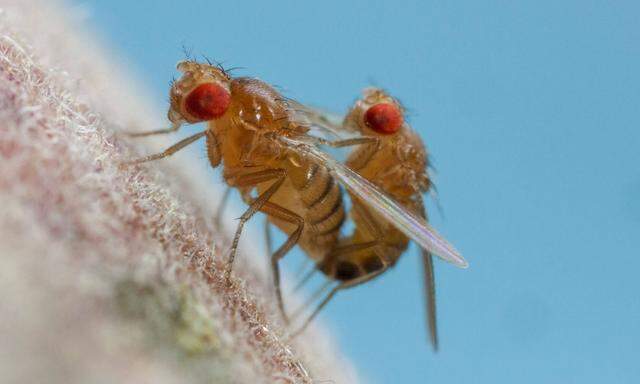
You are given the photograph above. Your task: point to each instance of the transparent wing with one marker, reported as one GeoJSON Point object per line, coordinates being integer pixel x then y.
{"type": "Point", "coordinates": [322, 123]}
{"type": "Point", "coordinates": [325, 119]}
{"type": "Point", "coordinates": [411, 225]}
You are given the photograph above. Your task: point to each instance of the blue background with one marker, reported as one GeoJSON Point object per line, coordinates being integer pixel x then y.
{"type": "Point", "coordinates": [531, 112]}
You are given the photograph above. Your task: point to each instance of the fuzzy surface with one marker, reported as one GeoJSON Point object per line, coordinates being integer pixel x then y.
{"type": "Point", "coordinates": [110, 273]}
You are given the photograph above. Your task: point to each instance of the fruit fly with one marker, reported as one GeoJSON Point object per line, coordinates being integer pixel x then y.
{"type": "Point", "coordinates": [263, 143]}
{"type": "Point", "coordinates": [246, 116]}
{"type": "Point", "coordinates": [396, 161]}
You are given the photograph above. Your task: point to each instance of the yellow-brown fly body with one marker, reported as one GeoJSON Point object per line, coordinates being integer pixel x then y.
{"type": "Point", "coordinates": [245, 117]}
{"type": "Point", "coordinates": [396, 161]}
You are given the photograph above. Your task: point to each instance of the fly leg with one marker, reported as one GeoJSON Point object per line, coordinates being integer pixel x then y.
{"type": "Point", "coordinates": [169, 151]}
{"type": "Point", "coordinates": [251, 180]}
{"type": "Point", "coordinates": [371, 145]}
{"type": "Point", "coordinates": [348, 142]}
{"type": "Point", "coordinates": [284, 214]}
{"type": "Point", "coordinates": [217, 220]}
{"type": "Point", "coordinates": [311, 299]}
{"type": "Point", "coordinates": [173, 128]}
{"type": "Point", "coordinates": [267, 237]}
{"type": "Point", "coordinates": [330, 259]}
{"type": "Point", "coordinates": [334, 291]}
{"type": "Point", "coordinates": [372, 228]}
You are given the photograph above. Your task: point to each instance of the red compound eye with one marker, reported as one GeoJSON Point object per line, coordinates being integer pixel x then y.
{"type": "Point", "coordinates": [383, 118]}
{"type": "Point", "coordinates": [207, 101]}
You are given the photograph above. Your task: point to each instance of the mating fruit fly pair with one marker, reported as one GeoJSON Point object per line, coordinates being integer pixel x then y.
{"type": "Point", "coordinates": [268, 152]}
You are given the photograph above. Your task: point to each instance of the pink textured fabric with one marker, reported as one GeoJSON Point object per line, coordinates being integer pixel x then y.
{"type": "Point", "coordinates": [112, 274]}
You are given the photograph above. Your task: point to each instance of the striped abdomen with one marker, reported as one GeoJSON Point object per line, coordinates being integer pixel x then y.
{"type": "Point", "coordinates": [311, 193]}
{"type": "Point", "coordinates": [322, 197]}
